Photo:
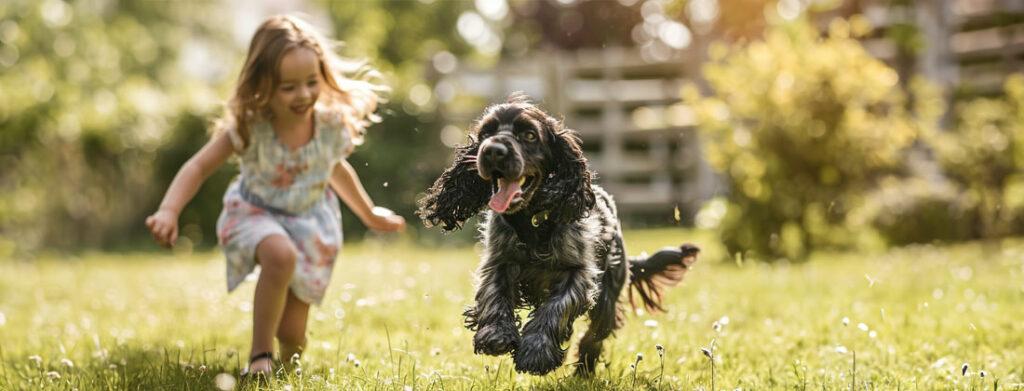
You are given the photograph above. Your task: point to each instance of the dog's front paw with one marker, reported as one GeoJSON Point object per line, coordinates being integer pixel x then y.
{"type": "Point", "coordinates": [537, 355]}
{"type": "Point", "coordinates": [495, 339]}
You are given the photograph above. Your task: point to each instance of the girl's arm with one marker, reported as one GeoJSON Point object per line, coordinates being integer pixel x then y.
{"type": "Point", "coordinates": [346, 183]}
{"type": "Point", "coordinates": [164, 223]}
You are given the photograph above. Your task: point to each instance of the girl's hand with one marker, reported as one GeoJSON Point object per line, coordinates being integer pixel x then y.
{"type": "Point", "coordinates": [384, 220]}
{"type": "Point", "coordinates": [164, 226]}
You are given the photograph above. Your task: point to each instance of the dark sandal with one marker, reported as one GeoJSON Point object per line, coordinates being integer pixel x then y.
{"type": "Point", "coordinates": [260, 375]}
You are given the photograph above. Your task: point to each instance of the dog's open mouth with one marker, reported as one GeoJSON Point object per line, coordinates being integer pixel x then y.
{"type": "Point", "coordinates": [508, 192]}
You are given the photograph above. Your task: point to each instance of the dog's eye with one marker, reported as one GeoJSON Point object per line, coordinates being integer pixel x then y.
{"type": "Point", "coordinates": [529, 136]}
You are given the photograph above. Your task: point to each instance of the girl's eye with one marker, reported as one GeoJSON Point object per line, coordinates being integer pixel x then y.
{"type": "Point", "coordinates": [311, 83]}
{"type": "Point", "coordinates": [529, 136]}
{"type": "Point", "coordinates": [287, 88]}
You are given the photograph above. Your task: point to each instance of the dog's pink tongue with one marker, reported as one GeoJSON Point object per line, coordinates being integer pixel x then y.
{"type": "Point", "coordinates": [507, 191]}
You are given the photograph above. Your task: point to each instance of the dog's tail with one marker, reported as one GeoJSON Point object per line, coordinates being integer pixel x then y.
{"type": "Point", "coordinates": [649, 275]}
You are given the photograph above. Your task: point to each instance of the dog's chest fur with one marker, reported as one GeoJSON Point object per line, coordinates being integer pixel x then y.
{"type": "Point", "coordinates": [544, 254]}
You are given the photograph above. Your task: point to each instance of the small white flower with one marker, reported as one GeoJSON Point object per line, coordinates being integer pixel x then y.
{"type": "Point", "coordinates": [841, 349]}
{"type": "Point", "coordinates": [651, 323]}
{"type": "Point", "coordinates": [356, 363]}
{"type": "Point", "coordinates": [53, 375]}
{"type": "Point", "coordinates": [846, 321]}
{"type": "Point", "coordinates": [407, 388]}
{"type": "Point", "coordinates": [862, 327]}
{"type": "Point", "coordinates": [224, 382]}
{"type": "Point", "coordinates": [36, 360]}
{"type": "Point", "coordinates": [3, 319]}
{"type": "Point", "coordinates": [872, 334]}
{"type": "Point", "coordinates": [982, 374]}
{"type": "Point", "coordinates": [350, 358]}
{"type": "Point", "coordinates": [67, 363]}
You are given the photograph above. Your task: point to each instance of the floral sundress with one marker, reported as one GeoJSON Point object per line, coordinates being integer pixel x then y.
{"type": "Point", "coordinates": [284, 191]}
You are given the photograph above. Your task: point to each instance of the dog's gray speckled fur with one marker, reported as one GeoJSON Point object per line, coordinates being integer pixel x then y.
{"type": "Point", "coordinates": [558, 252]}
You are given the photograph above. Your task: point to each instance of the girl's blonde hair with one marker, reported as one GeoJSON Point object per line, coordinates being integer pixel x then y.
{"type": "Point", "coordinates": [352, 91]}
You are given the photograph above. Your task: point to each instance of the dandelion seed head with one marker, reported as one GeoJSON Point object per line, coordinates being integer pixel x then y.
{"type": "Point", "coordinates": [36, 360]}
{"type": "Point", "coordinates": [53, 375]}
{"type": "Point", "coordinates": [846, 321]}
{"type": "Point", "coordinates": [67, 363]}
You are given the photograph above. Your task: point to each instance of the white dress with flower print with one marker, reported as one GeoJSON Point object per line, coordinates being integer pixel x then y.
{"type": "Point", "coordinates": [283, 191]}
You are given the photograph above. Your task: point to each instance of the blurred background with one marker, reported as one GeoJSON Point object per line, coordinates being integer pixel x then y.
{"type": "Point", "coordinates": [783, 126]}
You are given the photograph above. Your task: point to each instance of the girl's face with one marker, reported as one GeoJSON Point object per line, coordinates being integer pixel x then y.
{"type": "Point", "coordinates": [299, 84]}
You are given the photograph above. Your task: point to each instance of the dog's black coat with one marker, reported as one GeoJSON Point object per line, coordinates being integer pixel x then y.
{"type": "Point", "coordinates": [557, 251]}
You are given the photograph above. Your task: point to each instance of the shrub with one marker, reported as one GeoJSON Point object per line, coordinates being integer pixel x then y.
{"type": "Point", "coordinates": [802, 126]}
{"type": "Point", "coordinates": [983, 154]}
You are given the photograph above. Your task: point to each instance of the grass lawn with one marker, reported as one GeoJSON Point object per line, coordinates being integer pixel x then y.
{"type": "Point", "coordinates": [907, 319]}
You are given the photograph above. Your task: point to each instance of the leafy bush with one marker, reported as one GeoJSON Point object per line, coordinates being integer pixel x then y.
{"type": "Point", "coordinates": [802, 127]}
{"type": "Point", "coordinates": [984, 153]}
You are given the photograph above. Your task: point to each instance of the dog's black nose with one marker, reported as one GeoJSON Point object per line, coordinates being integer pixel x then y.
{"type": "Point", "coordinates": [495, 151]}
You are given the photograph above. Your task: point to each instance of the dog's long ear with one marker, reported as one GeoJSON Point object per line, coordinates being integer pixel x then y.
{"type": "Point", "coordinates": [458, 194]}
{"type": "Point", "coordinates": [566, 190]}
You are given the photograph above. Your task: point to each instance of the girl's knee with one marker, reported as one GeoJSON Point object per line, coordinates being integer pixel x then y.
{"type": "Point", "coordinates": [277, 253]}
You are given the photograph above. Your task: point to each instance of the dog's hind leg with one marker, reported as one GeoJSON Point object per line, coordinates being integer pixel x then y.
{"type": "Point", "coordinates": [606, 316]}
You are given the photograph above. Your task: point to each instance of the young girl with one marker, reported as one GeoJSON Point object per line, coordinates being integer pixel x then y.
{"type": "Point", "coordinates": [292, 121]}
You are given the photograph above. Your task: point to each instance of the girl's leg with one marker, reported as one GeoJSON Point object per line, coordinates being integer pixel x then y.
{"type": "Point", "coordinates": [291, 333]}
{"type": "Point", "coordinates": [276, 255]}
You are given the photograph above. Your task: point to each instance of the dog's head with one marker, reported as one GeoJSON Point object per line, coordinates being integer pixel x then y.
{"type": "Point", "coordinates": [520, 160]}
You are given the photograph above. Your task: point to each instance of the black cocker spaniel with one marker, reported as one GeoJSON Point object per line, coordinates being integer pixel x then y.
{"type": "Point", "coordinates": [552, 240]}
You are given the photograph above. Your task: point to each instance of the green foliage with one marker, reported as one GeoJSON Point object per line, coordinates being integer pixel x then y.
{"type": "Point", "coordinates": [983, 154]}
{"type": "Point", "coordinates": [89, 91]}
{"type": "Point", "coordinates": [801, 126]}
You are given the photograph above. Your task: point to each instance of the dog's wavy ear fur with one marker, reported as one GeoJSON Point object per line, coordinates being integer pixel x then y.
{"type": "Point", "coordinates": [566, 191]}
{"type": "Point", "coordinates": [458, 194]}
